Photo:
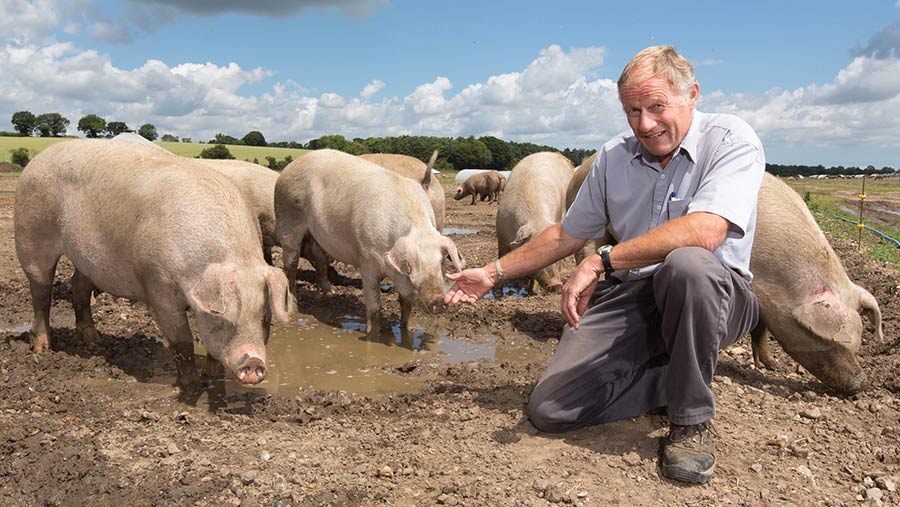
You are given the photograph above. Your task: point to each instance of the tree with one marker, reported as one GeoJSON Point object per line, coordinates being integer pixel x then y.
{"type": "Point", "coordinates": [24, 122]}
{"type": "Point", "coordinates": [254, 138]}
{"type": "Point", "coordinates": [225, 139]}
{"type": "Point", "coordinates": [148, 132]}
{"type": "Point", "coordinates": [469, 153]}
{"type": "Point", "coordinates": [501, 154]}
{"type": "Point", "coordinates": [169, 138]}
{"type": "Point", "coordinates": [218, 151]}
{"type": "Point", "coordinates": [19, 156]}
{"type": "Point", "coordinates": [117, 127]}
{"type": "Point", "coordinates": [92, 125]}
{"type": "Point", "coordinates": [51, 124]}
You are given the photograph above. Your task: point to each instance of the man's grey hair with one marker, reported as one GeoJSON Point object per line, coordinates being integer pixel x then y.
{"type": "Point", "coordinates": [659, 61]}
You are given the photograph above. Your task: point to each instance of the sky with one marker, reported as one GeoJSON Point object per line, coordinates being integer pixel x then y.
{"type": "Point", "coordinates": [818, 80]}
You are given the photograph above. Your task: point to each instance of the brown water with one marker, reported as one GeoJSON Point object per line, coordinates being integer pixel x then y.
{"type": "Point", "coordinates": [339, 357]}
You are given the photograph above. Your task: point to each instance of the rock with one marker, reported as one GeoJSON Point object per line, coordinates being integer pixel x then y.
{"type": "Point", "coordinates": [756, 467]}
{"type": "Point", "coordinates": [540, 485]}
{"type": "Point", "coordinates": [868, 482]}
{"type": "Point", "coordinates": [265, 457]}
{"type": "Point", "coordinates": [631, 458]}
{"type": "Point", "coordinates": [386, 471]}
{"type": "Point", "coordinates": [172, 448]}
{"type": "Point", "coordinates": [874, 493]}
{"type": "Point", "coordinates": [888, 483]}
{"type": "Point", "coordinates": [809, 396]}
{"type": "Point", "coordinates": [249, 477]}
{"type": "Point", "coordinates": [555, 495]}
{"type": "Point", "coordinates": [725, 381]}
{"type": "Point", "coordinates": [811, 413]}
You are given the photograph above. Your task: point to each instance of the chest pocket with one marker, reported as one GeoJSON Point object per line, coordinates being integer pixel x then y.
{"type": "Point", "coordinates": [677, 208]}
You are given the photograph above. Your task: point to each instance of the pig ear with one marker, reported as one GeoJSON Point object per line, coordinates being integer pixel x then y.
{"type": "Point", "coordinates": [868, 305]}
{"type": "Point", "coordinates": [216, 292]}
{"type": "Point", "coordinates": [398, 256]}
{"type": "Point", "coordinates": [449, 249]}
{"type": "Point", "coordinates": [522, 235]}
{"type": "Point", "coordinates": [281, 301]}
{"type": "Point", "coordinates": [826, 316]}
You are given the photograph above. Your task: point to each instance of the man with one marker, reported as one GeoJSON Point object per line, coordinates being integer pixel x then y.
{"type": "Point", "coordinates": [678, 195]}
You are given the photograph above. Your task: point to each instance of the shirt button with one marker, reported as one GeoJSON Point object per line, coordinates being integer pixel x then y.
{"type": "Point", "coordinates": [658, 207]}
{"type": "Point", "coordinates": [662, 176]}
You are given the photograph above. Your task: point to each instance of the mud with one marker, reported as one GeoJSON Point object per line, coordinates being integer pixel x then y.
{"type": "Point", "coordinates": [106, 427]}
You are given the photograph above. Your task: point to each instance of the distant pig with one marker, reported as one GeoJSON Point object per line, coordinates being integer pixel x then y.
{"type": "Point", "coordinates": [415, 169]}
{"type": "Point", "coordinates": [142, 224]}
{"type": "Point", "coordinates": [360, 214]}
{"type": "Point", "coordinates": [534, 199]}
{"type": "Point", "coordinates": [805, 297]}
{"type": "Point", "coordinates": [486, 184]}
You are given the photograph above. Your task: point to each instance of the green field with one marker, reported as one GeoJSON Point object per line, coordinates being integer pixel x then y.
{"type": "Point", "coordinates": [36, 144]}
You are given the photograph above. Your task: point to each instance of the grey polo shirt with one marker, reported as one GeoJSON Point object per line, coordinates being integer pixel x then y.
{"type": "Point", "coordinates": [717, 169]}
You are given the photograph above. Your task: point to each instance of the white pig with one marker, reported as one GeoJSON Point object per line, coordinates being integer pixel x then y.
{"type": "Point", "coordinates": [360, 214]}
{"type": "Point", "coordinates": [142, 224]}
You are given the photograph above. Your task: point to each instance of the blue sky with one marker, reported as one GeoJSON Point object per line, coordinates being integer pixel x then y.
{"type": "Point", "coordinates": [820, 81]}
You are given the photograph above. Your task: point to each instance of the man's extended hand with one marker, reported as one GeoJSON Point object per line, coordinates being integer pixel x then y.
{"type": "Point", "coordinates": [576, 293]}
{"type": "Point", "coordinates": [469, 286]}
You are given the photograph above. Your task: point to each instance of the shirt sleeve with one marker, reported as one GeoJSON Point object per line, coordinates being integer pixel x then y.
{"type": "Point", "coordinates": [587, 217]}
{"type": "Point", "coordinates": [730, 186]}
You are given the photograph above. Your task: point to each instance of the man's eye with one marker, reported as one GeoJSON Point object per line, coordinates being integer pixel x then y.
{"type": "Point", "coordinates": [655, 108]}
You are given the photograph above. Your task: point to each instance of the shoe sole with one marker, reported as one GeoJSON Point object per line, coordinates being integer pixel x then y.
{"type": "Point", "coordinates": [692, 477]}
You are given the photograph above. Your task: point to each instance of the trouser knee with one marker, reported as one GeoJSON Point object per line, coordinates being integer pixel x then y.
{"type": "Point", "coordinates": [544, 416]}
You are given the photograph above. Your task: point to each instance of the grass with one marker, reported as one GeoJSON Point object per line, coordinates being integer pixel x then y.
{"type": "Point", "coordinates": [36, 144]}
{"type": "Point", "coordinates": [826, 198]}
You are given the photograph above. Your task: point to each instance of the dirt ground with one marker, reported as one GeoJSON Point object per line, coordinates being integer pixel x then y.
{"type": "Point", "coordinates": [107, 428]}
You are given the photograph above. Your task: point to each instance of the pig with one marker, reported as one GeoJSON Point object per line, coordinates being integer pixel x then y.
{"type": "Point", "coordinates": [142, 224]}
{"type": "Point", "coordinates": [805, 297]}
{"type": "Point", "coordinates": [257, 185]}
{"type": "Point", "coordinates": [415, 169]}
{"type": "Point", "coordinates": [578, 178]}
{"type": "Point", "coordinates": [534, 199]}
{"type": "Point", "coordinates": [485, 184]}
{"type": "Point", "coordinates": [360, 214]}
{"type": "Point", "coordinates": [255, 182]}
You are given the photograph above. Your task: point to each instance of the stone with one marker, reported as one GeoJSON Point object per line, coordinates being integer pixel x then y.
{"type": "Point", "coordinates": [631, 458]}
{"type": "Point", "coordinates": [811, 413]}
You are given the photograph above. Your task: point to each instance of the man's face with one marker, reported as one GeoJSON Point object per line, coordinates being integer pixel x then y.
{"type": "Point", "coordinates": [658, 115]}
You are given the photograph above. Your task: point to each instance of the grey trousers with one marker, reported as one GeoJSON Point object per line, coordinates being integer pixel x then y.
{"type": "Point", "coordinates": [646, 344]}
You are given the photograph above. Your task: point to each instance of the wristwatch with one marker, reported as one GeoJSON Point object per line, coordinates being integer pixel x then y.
{"type": "Point", "coordinates": [603, 251]}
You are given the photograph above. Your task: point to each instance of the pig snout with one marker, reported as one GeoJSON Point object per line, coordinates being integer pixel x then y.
{"type": "Point", "coordinates": [437, 305]}
{"type": "Point", "coordinates": [249, 367]}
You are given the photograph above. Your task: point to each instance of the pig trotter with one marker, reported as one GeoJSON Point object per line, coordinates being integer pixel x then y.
{"type": "Point", "coordinates": [759, 343]}
{"type": "Point", "coordinates": [188, 378]}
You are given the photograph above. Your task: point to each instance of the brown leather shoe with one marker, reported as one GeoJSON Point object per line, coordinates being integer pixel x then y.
{"type": "Point", "coordinates": [688, 453]}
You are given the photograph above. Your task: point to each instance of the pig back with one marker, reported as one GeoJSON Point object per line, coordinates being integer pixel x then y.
{"type": "Point", "coordinates": [414, 169]}
{"type": "Point", "coordinates": [353, 208]}
{"type": "Point", "coordinates": [257, 185]}
{"type": "Point", "coordinates": [535, 193]}
{"type": "Point", "coordinates": [125, 212]}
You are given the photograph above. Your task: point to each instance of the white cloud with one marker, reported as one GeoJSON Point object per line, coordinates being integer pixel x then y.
{"type": "Point", "coordinates": [270, 8]}
{"type": "Point", "coordinates": [371, 89]}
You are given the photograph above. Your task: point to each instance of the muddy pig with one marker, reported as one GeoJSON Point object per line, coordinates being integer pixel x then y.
{"type": "Point", "coordinates": [485, 184]}
{"type": "Point", "coordinates": [805, 297]}
{"type": "Point", "coordinates": [148, 226]}
{"type": "Point", "coordinates": [534, 199]}
{"type": "Point", "coordinates": [415, 169]}
{"type": "Point", "coordinates": [360, 214]}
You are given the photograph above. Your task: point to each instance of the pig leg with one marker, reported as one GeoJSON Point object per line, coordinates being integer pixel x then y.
{"type": "Point", "coordinates": [40, 273]}
{"type": "Point", "coordinates": [174, 326]}
{"type": "Point", "coordinates": [82, 288]}
{"type": "Point", "coordinates": [313, 252]}
{"type": "Point", "coordinates": [371, 282]}
{"type": "Point", "coordinates": [759, 343]}
{"type": "Point", "coordinates": [290, 256]}
{"type": "Point", "coordinates": [405, 310]}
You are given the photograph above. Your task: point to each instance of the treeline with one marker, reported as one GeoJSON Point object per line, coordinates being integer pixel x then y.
{"type": "Point", "coordinates": [808, 170]}
{"type": "Point", "coordinates": [457, 153]}
{"type": "Point", "coordinates": [55, 125]}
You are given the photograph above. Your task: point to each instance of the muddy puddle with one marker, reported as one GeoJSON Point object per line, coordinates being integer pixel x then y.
{"type": "Point", "coordinates": [340, 357]}
{"type": "Point", "coordinates": [458, 231]}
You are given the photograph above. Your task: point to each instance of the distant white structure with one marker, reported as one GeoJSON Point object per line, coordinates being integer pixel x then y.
{"type": "Point", "coordinates": [465, 173]}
